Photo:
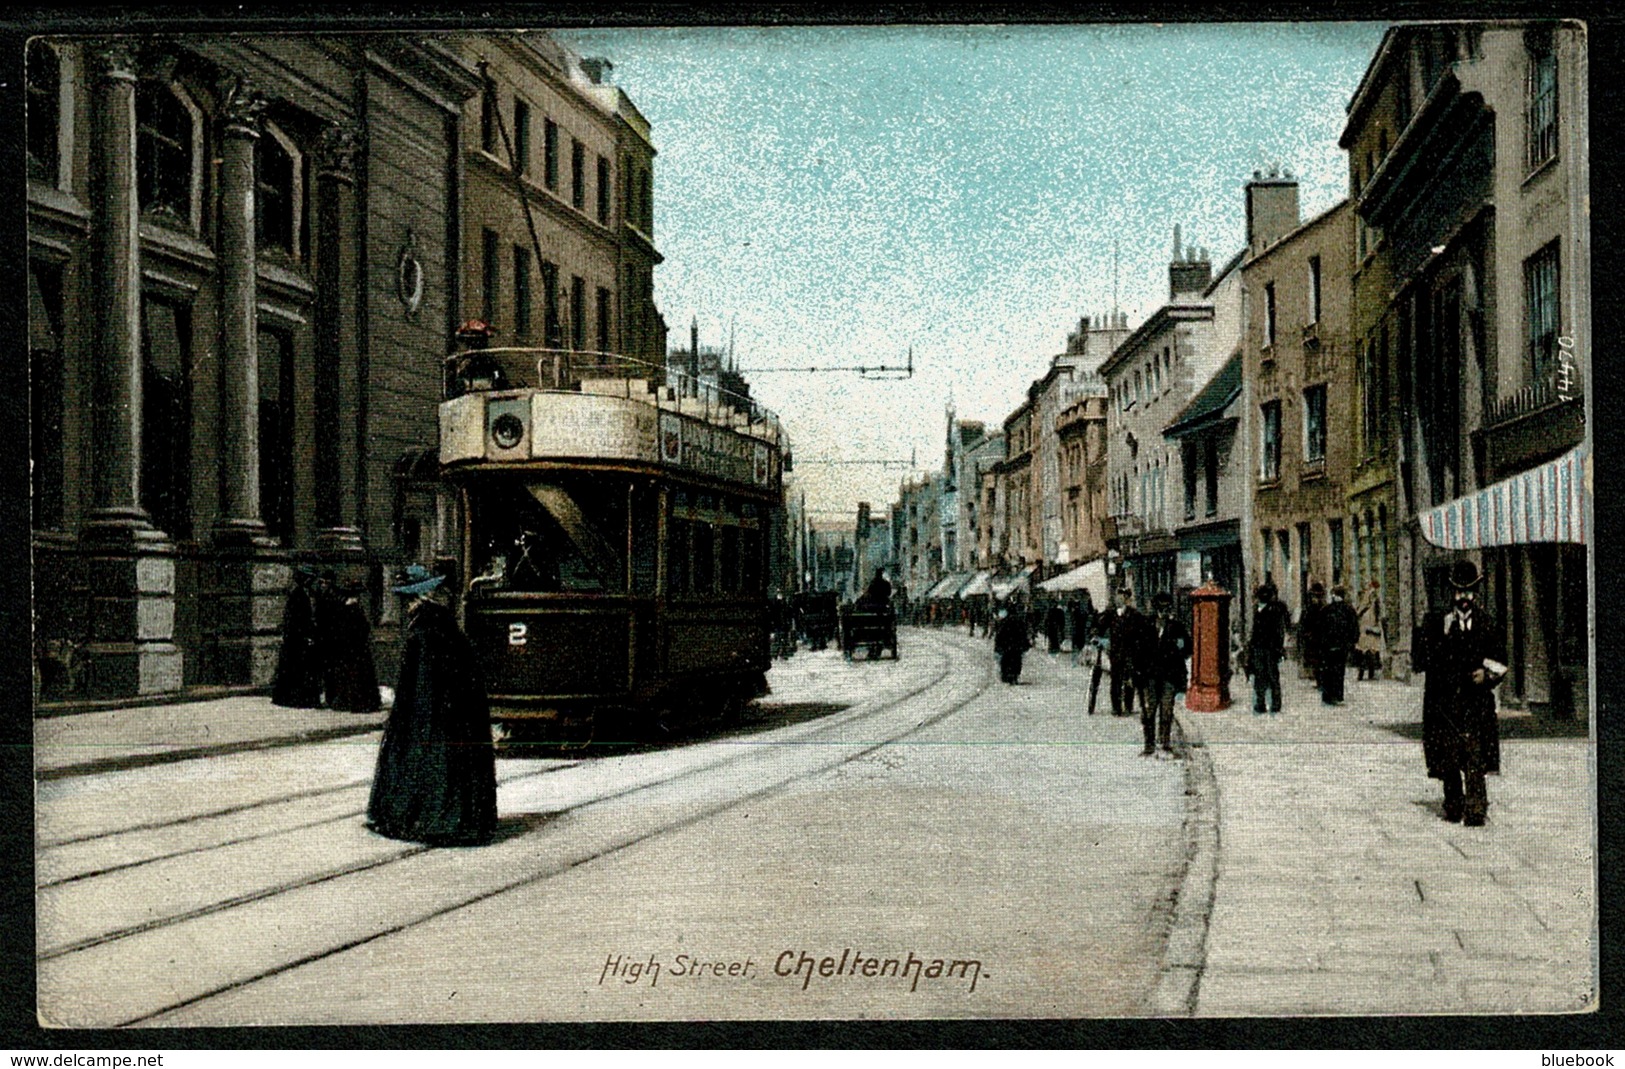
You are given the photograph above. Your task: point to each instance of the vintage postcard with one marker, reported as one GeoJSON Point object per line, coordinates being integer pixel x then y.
{"type": "Point", "coordinates": [806, 523]}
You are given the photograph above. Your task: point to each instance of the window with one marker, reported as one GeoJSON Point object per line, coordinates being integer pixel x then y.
{"type": "Point", "coordinates": [521, 136]}
{"type": "Point", "coordinates": [1334, 536]}
{"type": "Point", "coordinates": [488, 118]}
{"type": "Point", "coordinates": [704, 538]}
{"type": "Point", "coordinates": [1541, 124]}
{"type": "Point", "coordinates": [1188, 461]}
{"type": "Point", "coordinates": [45, 395]}
{"type": "Point", "coordinates": [490, 274]}
{"type": "Point", "coordinates": [578, 313]}
{"type": "Point", "coordinates": [163, 135]}
{"type": "Point", "coordinates": [1314, 289]}
{"type": "Point", "coordinates": [44, 111]}
{"type": "Point", "coordinates": [1269, 557]}
{"type": "Point", "coordinates": [1314, 424]}
{"type": "Point", "coordinates": [1210, 465]}
{"type": "Point", "coordinates": [1269, 468]}
{"type": "Point", "coordinates": [1402, 98]}
{"type": "Point", "coordinates": [276, 184]}
{"type": "Point", "coordinates": [550, 154]}
{"type": "Point", "coordinates": [166, 468]}
{"type": "Point", "coordinates": [603, 190]}
{"type": "Point", "coordinates": [552, 329]}
{"type": "Point", "coordinates": [603, 320]}
{"type": "Point", "coordinates": [1139, 386]}
{"type": "Point", "coordinates": [1269, 314]}
{"type": "Point", "coordinates": [1368, 396]}
{"type": "Point", "coordinates": [276, 432]}
{"type": "Point", "coordinates": [1285, 541]}
{"type": "Point", "coordinates": [521, 291]}
{"type": "Point", "coordinates": [1541, 318]}
{"type": "Point", "coordinates": [578, 175]}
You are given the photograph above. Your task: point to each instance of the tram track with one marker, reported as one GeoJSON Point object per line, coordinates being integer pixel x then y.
{"type": "Point", "coordinates": [669, 827]}
{"type": "Point", "coordinates": [737, 752]}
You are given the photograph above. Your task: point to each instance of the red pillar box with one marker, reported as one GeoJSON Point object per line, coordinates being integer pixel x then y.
{"type": "Point", "coordinates": [1210, 649]}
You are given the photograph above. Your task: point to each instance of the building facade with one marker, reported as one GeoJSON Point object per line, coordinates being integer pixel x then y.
{"type": "Point", "coordinates": [244, 274]}
{"type": "Point", "coordinates": [559, 202]}
{"type": "Point", "coordinates": [1151, 378]}
{"type": "Point", "coordinates": [1468, 167]}
{"type": "Point", "coordinates": [1299, 361]}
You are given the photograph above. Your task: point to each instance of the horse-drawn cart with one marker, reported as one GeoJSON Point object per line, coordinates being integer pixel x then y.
{"type": "Point", "coordinates": [864, 626]}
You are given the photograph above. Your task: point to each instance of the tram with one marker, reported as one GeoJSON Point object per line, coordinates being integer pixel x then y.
{"type": "Point", "coordinates": [615, 541]}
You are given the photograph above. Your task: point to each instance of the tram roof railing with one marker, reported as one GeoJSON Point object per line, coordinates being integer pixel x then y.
{"type": "Point", "coordinates": [568, 370]}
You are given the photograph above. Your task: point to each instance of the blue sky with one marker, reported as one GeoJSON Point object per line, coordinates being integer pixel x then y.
{"type": "Point", "coordinates": [841, 194]}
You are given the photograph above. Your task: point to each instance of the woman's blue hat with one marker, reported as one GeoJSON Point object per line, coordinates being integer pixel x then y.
{"type": "Point", "coordinates": [416, 579]}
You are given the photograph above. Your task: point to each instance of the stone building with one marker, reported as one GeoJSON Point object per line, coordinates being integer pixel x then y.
{"type": "Point", "coordinates": [1080, 431]}
{"type": "Point", "coordinates": [1014, 534]}
{"type": "Point", "coordinates": [1299, 363]}
{"type": "Point", "coordinates": [559, 202]}
{"type": "Point", "coordinates": [1471, 312]}
{"type": "Point", "coordinates": [244, 273]}
{"type": "Point", "coordinates": [1151, 377]}
{"type": "Point", "coordinates": [917, 535]}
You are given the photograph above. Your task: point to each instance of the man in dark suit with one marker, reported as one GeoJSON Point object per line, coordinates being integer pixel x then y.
{"type": "Point", "coordinates": [1461, 738]}
{"type": "Point", "coordinates": [1169, 644]}
{"type": "Point", "coordinates": [1124, 633]}
{"type": "Point", "coordinates": [1339, 631]}
{"type": "Point", "coordinates": [1264, 645]}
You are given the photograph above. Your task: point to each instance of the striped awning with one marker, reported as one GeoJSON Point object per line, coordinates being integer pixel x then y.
{"type": "Point", "coordinates": [1551, 503]}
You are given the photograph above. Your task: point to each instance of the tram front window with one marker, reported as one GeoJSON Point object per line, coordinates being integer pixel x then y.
{"type": "Point", "coordinates": [544, 538]}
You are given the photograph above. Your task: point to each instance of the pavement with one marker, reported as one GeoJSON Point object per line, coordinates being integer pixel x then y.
{"type": "Point", "coordinates": [84, 743]}
{"type": "Point", "coordinates": [1331, 884]}
{"type": "Point", "coordinates": [1320, 875]}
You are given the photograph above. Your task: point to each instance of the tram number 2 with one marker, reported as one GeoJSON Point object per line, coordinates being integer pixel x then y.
{"type": "Point", "coordinates": [517, 633]}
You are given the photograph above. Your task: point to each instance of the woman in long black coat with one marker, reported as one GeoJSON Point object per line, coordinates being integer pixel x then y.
{"type": "Point", "coordinates": [298, 680]}
{"type": "Point", "coordinates": [350, 678]}
{"type": "Point", "coordinates": [436, 778]}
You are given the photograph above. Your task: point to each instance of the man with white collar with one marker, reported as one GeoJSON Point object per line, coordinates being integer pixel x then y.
{"type": "Point", "coordinates": [1461, 740]}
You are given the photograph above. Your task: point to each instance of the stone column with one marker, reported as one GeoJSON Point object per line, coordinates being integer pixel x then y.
{"type": "Point", "coordinates": [131, 565]}
{"type": "Point", "coordinates": [250, 574]}
{"type": "Point", "coordinates": [239, 521]}
{"type": "Point", "coordinates": [336, 386]}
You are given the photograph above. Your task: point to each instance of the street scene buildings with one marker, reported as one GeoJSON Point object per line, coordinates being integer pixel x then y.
{"type": "Point", "coordinates": [305, 311]}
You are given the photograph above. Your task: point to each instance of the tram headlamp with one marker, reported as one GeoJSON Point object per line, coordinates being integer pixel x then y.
{"type": "Point", "coordinates": [507, 430]}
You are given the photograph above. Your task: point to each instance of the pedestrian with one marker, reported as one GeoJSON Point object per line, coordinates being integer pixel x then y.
{"type": "Point", "coordinates": [298, 680]}
{"type": "Point", "coordinates": [1169, 644]}
{"type": "Point", "coordinates": [1083, 623]}
{"type": "Point", "coordinates": [1010, 642]}
{"type": "Point", "coordinates": [1339, 631]}
{"type": "Point", "coordinates": [436, 777]}
{"type": "Point", "coordinates": [1461, 738]}
{"type": "Point", "coordinates": [349, 677]}
{"type": "Point", "coordinates": [1309, 633]}
{"type": "Point", "coordinates": [1372, 643]}
{"type": "Point", "coordinates": [1265, 643]}
{"type": "Point", "coordinates": [1100, 641]}
{"type": "Point", "coordinates": [1124, 636]}
{"type": "Point", "coordinates": [1054, 626]}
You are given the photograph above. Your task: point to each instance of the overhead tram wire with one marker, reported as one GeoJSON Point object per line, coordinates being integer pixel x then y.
{"type": "Point", "coordinates": [882, 372]}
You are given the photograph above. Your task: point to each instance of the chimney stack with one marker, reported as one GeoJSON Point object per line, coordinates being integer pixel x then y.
{"type": "Point", "coordinates": [1272, 209]}
{"type": "Point", "coordinates": [1187, 275]}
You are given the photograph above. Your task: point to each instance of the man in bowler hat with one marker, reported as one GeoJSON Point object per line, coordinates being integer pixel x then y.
{"type": "Point", "coordinates": [1461, 740]}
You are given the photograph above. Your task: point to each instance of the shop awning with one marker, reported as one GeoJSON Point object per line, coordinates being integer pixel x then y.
{"type": "Point", "coordinates": [979, 587]}
{"type": "Point", "coordinates": [1090, 577]}
{"type": "Point", "coordinates": [1004, 586]}
{"type": "Point", "coordinates": [1551, 503]}
{"type": "Point", "coordinates": [949, 585]}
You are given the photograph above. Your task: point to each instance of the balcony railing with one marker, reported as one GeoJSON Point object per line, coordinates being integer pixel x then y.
{"type": "Point", "coordinates": [1542, 394]}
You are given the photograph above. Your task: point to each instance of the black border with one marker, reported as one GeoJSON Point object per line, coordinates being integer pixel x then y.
{"type": "Point", "coordinates": [18, 1026]}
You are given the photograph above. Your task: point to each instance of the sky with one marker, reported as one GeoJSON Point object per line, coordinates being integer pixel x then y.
{"type": "Point", "coordinates": [840, 195]}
